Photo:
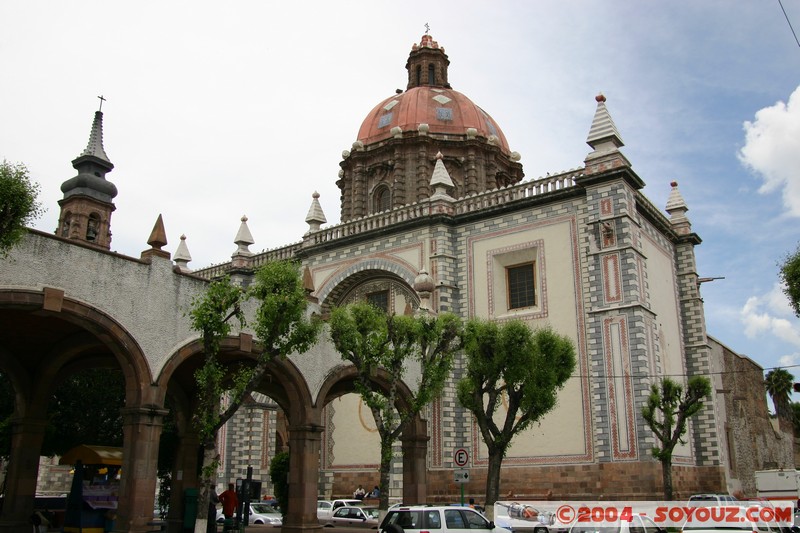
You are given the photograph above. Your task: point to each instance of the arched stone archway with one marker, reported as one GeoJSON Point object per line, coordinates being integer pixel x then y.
{"type": "Point", "coordinates": [47, 336]}
{"type": "Point", "coordinates": [284, 383]}
{"type": "Point", "coordinates": [414, 438]}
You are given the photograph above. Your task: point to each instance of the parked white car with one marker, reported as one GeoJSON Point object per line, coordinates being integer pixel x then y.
{"type": "Point", "coordinates": [325, 508]}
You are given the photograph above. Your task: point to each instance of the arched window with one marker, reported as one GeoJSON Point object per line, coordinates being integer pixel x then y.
{"type": "Point", "coordinates": [431, 80]}
{"type": "Point", "coordinates": [419, 75]}
{"type": "Point", "coordinates": [92, 227]}
{"type": "Point", "coordinates": [382, 200]}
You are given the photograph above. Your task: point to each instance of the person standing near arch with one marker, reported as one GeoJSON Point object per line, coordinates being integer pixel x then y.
{"type": "Point", "coordinates": [229, 501]}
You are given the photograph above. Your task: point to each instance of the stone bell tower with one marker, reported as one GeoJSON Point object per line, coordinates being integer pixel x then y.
{"type": "Point", "coordinates": [87, 204]}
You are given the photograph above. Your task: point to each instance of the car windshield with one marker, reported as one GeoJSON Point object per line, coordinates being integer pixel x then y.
{"type": "Point", "coordinates": [263, 508]}
{"type": "Point", "coordinates": [372, 512]}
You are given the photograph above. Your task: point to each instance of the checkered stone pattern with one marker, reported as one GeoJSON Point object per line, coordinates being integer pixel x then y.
{"type": "Point", "coordinates": [706, 430]}
{"type": "Point", "coordinates": [246, 446]}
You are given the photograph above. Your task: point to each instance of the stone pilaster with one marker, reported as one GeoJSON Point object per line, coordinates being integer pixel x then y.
{"type": "Point", "coordinates": [141, 433]}
{"type": "Point", "coordinates": [415, 447]}
{"type": "Point", "coordinates": [304, 446]}
{"type": "Point", "coordinates": [27, 435]}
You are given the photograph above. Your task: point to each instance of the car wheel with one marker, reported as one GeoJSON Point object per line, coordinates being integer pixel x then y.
{"type": "Point", "coordinates": [540, 530]}
{"type": "Point", "coordinates": [259, 522]}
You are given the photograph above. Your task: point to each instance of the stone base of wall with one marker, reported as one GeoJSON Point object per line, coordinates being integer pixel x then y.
{"type": "Point", "coordinates": [599, 481]}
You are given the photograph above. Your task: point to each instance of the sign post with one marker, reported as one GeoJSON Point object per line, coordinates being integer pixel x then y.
{"type": "Point", "coordinates": [461, 458]}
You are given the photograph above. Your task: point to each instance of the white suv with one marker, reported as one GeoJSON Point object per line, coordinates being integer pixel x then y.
{"type": "Point", "coordinates": [436, 519]}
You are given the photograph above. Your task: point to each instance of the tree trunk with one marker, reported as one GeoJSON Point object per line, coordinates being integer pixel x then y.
{"type": "Point", "coordinates": [386, 468]}
{"type": "Point", "coordinates": [207, 480]}
{"type": "Point", "coordinates": [493, 478]}
{"type": "Point", "coordinates": [666, 476]}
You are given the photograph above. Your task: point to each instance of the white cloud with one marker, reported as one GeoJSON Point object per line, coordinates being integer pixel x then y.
{"type": "Point", "coordinates": [767, 316]}
{"type": "Point", "coordinates": [789, 360]}
{"type": "Point", "coordinates": [772, 150]}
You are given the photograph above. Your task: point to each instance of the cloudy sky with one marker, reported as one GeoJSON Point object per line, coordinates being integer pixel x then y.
{"type": "Point", "coordinates": [221, 109]}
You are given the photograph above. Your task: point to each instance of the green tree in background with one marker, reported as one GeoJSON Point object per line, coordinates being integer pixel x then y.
{"type": "Point", "coordinates": [18, 204]}
{"type": "Point", "coordinates": [790, 276]}
{"type": "Point", "coordinates": [279, 475]}
{"type": "Point", "coordinates": [779, 383]}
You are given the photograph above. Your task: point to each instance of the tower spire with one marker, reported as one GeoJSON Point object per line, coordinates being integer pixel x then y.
{"type": "Point", "coordinates": [88, 197]}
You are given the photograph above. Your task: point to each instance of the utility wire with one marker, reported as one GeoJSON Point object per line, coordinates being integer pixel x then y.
{"type": "Point", "coordinates": [707, 374]}
{"type": "Point", "coordinates": [789, 23]}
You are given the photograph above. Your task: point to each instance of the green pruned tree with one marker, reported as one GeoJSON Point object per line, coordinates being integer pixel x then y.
{"type": "Point", "coordinates": [790, 276]}
{"type": "Point", "coordinates": [371, 340]}
{"type": "Point", "coordinates": [281, 328]}
{"type": "Point", "coordinates": [510, 363]}
{"type": "Point", "coordinates": [779, 383]}
{"type": "Point", "coordinates": [669, 407]}
{"type": "Point", "coordinates": [279, 475]}
{"type": "Point", "coordinates": [18, 204]}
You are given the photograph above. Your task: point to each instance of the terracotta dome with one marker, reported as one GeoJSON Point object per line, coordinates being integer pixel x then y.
{"type": "Point", "coordinates": [445, 111]}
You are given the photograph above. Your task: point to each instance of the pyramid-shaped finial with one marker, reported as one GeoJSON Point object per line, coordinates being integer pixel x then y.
{"type": "Point", "coordinates": [676, 207]}
{"type": "Point", "coordinates": [315, 217]}
{"type": "Point", "coordinates": [440, 180]}
{"type": "Point", "coordinates": [157, 240]}
{"type": "Point", "coordinates": [158, 237]}
{"type": "Point", "coordinates": [182, 256]}
{"type": "Point", "coordinates": [603, 134]}
{"type": "Point", "coordinates": [243, 238]}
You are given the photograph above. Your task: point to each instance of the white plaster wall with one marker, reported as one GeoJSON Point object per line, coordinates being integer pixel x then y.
{"type": "Point", "coordinates": [560, 432]}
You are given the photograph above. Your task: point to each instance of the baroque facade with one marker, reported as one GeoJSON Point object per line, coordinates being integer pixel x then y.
{"type": "Point", "coordinates": [436, 216]}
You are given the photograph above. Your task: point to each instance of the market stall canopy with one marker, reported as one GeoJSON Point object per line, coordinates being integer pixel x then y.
{"type": "Point", "coordinates": [92, 455]}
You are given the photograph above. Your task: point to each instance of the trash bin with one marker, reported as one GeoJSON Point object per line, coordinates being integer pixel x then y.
{"type": "Point", "coordinates": [189, 508]}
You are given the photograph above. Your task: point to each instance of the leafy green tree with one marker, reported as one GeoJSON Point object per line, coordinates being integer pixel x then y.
{"type": "Point", "coordinates": [18, 204]}
{"type": "Point", "coordinates": [84, 409]}
{"type": "Point", "coordinates": [796, 418]}
{"type": "Point", "coordinates": [279, 475]}
{"type": "Point", "coordinates": [281, 328]}
{"type": "Point", "coordinates": [790, 276]}
{"type": "Point", "coordinates": [526, 367]}
{"type": "Point", "coordinates": [371, 339]}
{"type": "Point", "coordinates": [779, 383]}
{"type": "Point", "coordinates": [667, 411]}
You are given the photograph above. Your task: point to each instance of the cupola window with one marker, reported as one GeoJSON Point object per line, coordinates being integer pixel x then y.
{"type": "Point", "coordinates": [431, 78]}
{"type": "Point", "coordinates": [382, 199]}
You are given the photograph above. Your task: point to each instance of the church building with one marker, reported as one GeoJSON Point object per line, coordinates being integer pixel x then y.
{"type": "Point", "coordinates": [436, 215]}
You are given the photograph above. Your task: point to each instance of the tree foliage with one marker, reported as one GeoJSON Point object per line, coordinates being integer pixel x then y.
{"type": "Point", "coordinates": [279, 475]}
{"type": "Point", "coordinates": [790, 276]}
{"type": "Point", "coordinates": [511, 363]}
{"type": "Point", "coordinates": [779, 384]}
{"type": "Point", "coordinates": [667, 411]}
{"type": "Point", "coordinates": [371, 339]}
{"type": "Point", "coordinates": [84, 409]}
{"type": "Point", "coordinates": [281, 328]}
{"type": "Point", "coordinates": [18, 203]}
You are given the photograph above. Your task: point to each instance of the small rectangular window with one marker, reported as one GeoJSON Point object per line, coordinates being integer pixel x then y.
{"type": "Point", "coordinates": [379, 300]}
{"type": "Point", "coordinates": [521, 287]}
